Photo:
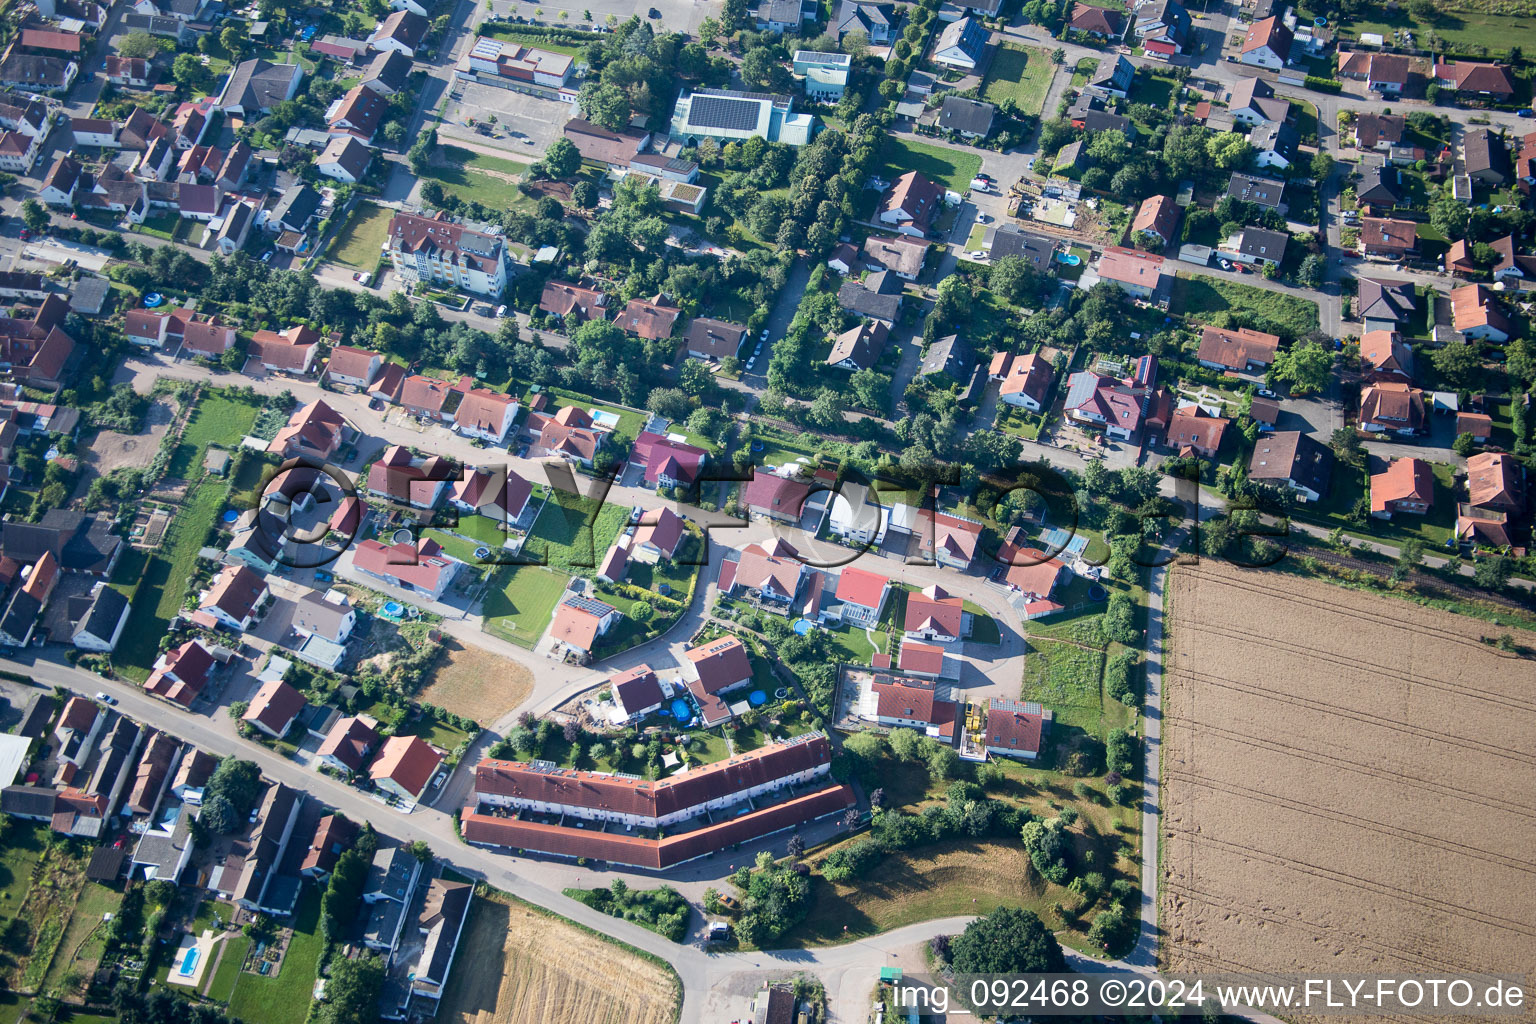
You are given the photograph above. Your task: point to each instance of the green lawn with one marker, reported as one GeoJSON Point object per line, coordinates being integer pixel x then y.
{"type": "Point", "coordinates": [572, 532]}
{"type": "Point", "coordinates": [984, 629]}
{"type": "Point", "coordinates": [1198, 296]}
{"type": "Point", "coordinates": [631, 422]}
{"type": "Point", "coordinates": [463, 550]}
{"type": "Point", "coordinates": [222, 985]}
{"type": "Point", "coordinates": [162, 226]}
{"type": "Point", "coordinates": [1065, 678]}
{"type": "Point", "coordinates": [481, 528]}
{"type": "Point", "coordinates": [1462, 30]}
{"type": "Point", "coordinates": [853, 642]}
{"type": "Point", "coordinates": [286, 998]}
{"type": "Point", "coordinates": [1349, 485]}
{"type": "Point", "coordinates": [487, 180]}
{"type": "Point", "coordinates": [510, 33]}
{"type": "Point", "coordinates": [361, 242]}
{"type": "Point", "coordinates": [440, 734]}
{"type": "Point", "coordinates": [1021, 73]}
{"type": "Point", "coordinates": [519, 602]}
{"type": "Point", "coordinates": [947, 167]}
{"type": "Point", "coordinates": [1083, 72]}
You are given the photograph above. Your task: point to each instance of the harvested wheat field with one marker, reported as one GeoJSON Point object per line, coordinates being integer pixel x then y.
{"type": "Point", "coordinates": [1349, 784]}
{"type": "Point", "coordinates": [549, 972]}
{"type": "Point", "coordinates": [477, 684]}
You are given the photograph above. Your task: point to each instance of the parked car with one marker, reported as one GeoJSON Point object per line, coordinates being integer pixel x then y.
{"type": "Point", "coordinates": [26, 233]}
{"type": "Point", "coordinates": [105, 698]}
{"type": "Point", "coordinates": [751, 362]}
{"type": "Point", "coordinates": [266, 257]}
{"type": "Point", "coordinates": [321, 576]}
{"type": "Point", "coordinates": [1526, 112]}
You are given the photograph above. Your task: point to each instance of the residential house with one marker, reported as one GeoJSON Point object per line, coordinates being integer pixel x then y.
{"type": "Point", "coordinates": [501, 495]}
{"type": "Point", "coordinates": [1476, 313]}
{"type": "Point", "coordinates": [1495, 483]}
{"type": "Point", "coordinates": [657, 536]}
{"type": "Point", "coordinates": [712, 339]}
{"type": "Point", "coordinates": [859, 347]}
{"type": "Point", "coordinates": [1381, 189]}
{"type": "Point", "coordinates": [1253, 102]}
{"type": "Point", "coordinates": [61, 181]}
{"type": "Point", "coordinates": [713, 668]}
{"type": "Point", "coordinates": [259, 889]}
{"type": "Point", "coordinates": [485, 414]}
{"type": "Point", "coordinates": [402, 477]}
{"type": "Point", "coordinates": [1379, 132]}
{"type": "Point", "coordinates": [1267, 44]}
{"type": "Point", "coordinates": [948, 356]}
{"type": "Point", "coordinates": [1385, 356]}
{"type": "Point", "coordinates": [664, 462]}
{"type": "Point", "coordinates": [1384, 305]}
{"type": "Point", "coordinates": [774, 497]}
{"type": "Point", "coordinates": [314, 430]}
{"type": "Point", "coordinates": [861, 596]}
{"type": "Point", "coordinates": [561, 298]}
{"type": "Point", "coordinates": [1099, 22]}
{"type": "Point", "coordinates": [1114, 75]}
{"type": "Point", "coordinates": [181, 673]}
{"type": "Point", "coordinates": [1156, 218]}
{"type": "Point", "coordinates": [256, 86]}
{"type": "Point", "coordinates": [291, 351]}
{"type": "Point", "coordinates": [1162, 27]}
{"type": "Point", "coordinates": [1388, 237]}
{"type": "Point", "coordinates": [274, 708]}
{"type": "Point", "coordinates": [1406, 485]}
{"type": "Point", "coordinates": [441, 924]}
{"type": "Point", "coordinates": [422, 568]}
{"type": "Point", "coordinates": [948, 539]}
{"type": "Point", "coordinates": [347, 746]}
{"type": "Point", "coordinates": [1274, 144]}
{"type": "Point", "coordinates": [877, 297]}
{"type": "Point", "coordinates": [329, 616]}
{"type": "Point", "coordinates": [1484, 158]}
{"type": "Point", "coordinates": [580, 621]}
{"type": "Point", "coordinates": [971, 119]}
{"type": "Point", "coordinates": [77, 542]}
{"type": "Point", "coordinates": [231, 231]}
{"type": "Point", "coordinates": [636, 693]}
{"type": "Point", "coordinates": [934, 614]}
{"type": "Point", "coordinates": [1388, 74]}
{"type": "Point", "coordinates": [875, 20]}
{"type": "Point", "coordinates": [235, 598]}
{"type": "Point", "coordinates": [1265, 193]}
{"type": "Point", "coordinates": [334, 835]}
{"type": "Point", "coordinates": [404, 767]}
{"type": "Point", "coordinates": [344, 159]}
{"type": "Point", "coordinates": [403, 32]}
{"type": "Point", "coordinates": [1025, 380]}
{"type": "Point", "coordinates": [1016, 728]}
{"type": "Point", "coordinates": [1475, 80]}
{"type": "Point", "coordinates": [781, 16]}
{"type": "Point", "coordinates": [652, 320]}
{"type": "Point", "coordinates": [1391, 408]}
{"type": "Point", "coordinates": [911, 204]}
{"type": "Point", "coordinates": [434, 249]}
{"type": "Point", "coordinates": [569, 434]}
{"type": "Point", "coordinates": [353, 366]}
{"type": "Point", "coordinates": [902, 255]}
{"type": "Point", "coordinates": [770, 574]}
{"type": "Point", "coordinates": [1140, 275]}
{"type": "Point", "coordinates": [99, 629]}
{"type": "Point", "coordinates": [824, 75]}
{"type": "Point", "coordinates": [1292, 459]}
{"type": "Point", "coordinates": [388, 72]}
{"type": "Point", "coordinates": [23, 613]}
{"type": "Point", "coordinates": [1011, 240]}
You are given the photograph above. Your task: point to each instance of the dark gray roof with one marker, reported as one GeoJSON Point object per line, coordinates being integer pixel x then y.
{"type": "Point", "coordinates": [258, 85]}
{"type": "Point", "coordinates": [28, 801]}
{"type": "Point", "coordinates": [1265, 192]}
{"type": "Point", "coordinates": [947, 355]}
{"type": "Point", "coordinates": [1279, 138]}
{"type": "Point", "coordinates": [1103, 121]}
{"type": "Point", "coordinates": [1262, 242]}
{"type": "Point", "coordinates": [389, 875]}
{"type": "Point", "coordinates": [877, 296]}
{"type": "Point", "coordinates": [20, 617]}
{"type": "Point", "coordinates": [154, 24]}
{"type": "Point", "coordinates": [34, 724]}
{"type": "Point", "coordinates": [106, 611]}
{"type": "Point", "coordinates": [1385, 300]}
{"type": "Point", "coordinates": [970, 116]}
{"type": "Point", "coordinates": [781, 12]}
{"type": "Point", "coordinates": [393, 69]}
{"type": "Point", "coordinates": [277, 807]}
{"type": "Point", "coordinates": [89, 294]}
{"type": "Point", "coordinates": [1380, 184]}
{"type": "Point", "coordinates": [81, 543]}
{"type": "Point", "coordinates": [451, 902]}
{"type": "Point", "coordinates": [860, 17]}
{"type": "Point", "coordinates": [1482, 150]}
{"type": "Point", "coordinates": [296, 207]}
{"type": "Point", "coordinates": [1012, 240]}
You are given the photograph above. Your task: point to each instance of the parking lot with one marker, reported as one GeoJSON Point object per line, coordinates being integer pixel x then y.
{"type": "Point", "coordinates": [525, 125]}
{"type": "Point", "coordinates": [676, 15]}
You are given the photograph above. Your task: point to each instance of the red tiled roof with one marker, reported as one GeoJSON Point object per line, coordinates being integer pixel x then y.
{"type": "Point", "coordinates": [408, 761]}
{"type": "Point", "coordinates": [1011, 727]}
{"type": "Point", "coordinates": [275, 706]}
{"type": "Point", "coordinates": [933, 608]}
{"type": "Point", "coordinates": [861, 587]}
{"type": "Point", "coordinates": [420, 565]}
{"type": "Point", "coordinates": [720, 663]}
{"type": "Point", "coordinates": [916, 657]}
{"type": "Point", "coordinates": [1403, 480]}
{"type": "Point", "coordinates": [349, 742]}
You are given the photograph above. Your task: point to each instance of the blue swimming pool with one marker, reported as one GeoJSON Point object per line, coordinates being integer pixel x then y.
{"type": "Point", "coordinates": [189, 959]}
{"type": "Point", "coordinates": [803, 626]}
{"type": "Point", "coordinates": [681, 710]}
{"type": "Point", "coordinates": [757, 698]}
{"type": "Point", "coordinates": [393, 608]}
{"type": "Point", "coordinates": [230, 515]}
{"type": "Point", "coordinates": [1071, 259]}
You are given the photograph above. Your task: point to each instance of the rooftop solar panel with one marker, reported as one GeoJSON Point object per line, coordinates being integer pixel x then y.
{"type": "Point", "coordinates": [723, 112]}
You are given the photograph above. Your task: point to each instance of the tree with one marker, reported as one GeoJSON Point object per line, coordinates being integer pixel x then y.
{"type": "Point", "coordinates": [605, 104]}
{"type": "Point", "coordinates": [234, 40]}
{"type": "Point", "coordinates": [1229, 151]}
{"type": "Point", "coordinates": [1310, 273]}
{"type": "Point", "coordinates": [734, 15]}
{"type": "Point", "coordinates": [1306, 367]}
{"type": "Point", "coordinates": [1409, 557]}
{"type": "Point", "coordinates": [1322, 166]}
{"type": "Point", "coordinates": [1345, 443]}
{"type": "Point", "coordinates": [1459, 364]}
{"type": "Point", "coordinates": [585, 195]}
{"type": "Point", "coordinates": [1464, 445]}
{"type": "Point", "coordinates": [1493, 572]}
{"type": "Point", "coordinates": [421, 851]}
{"type": "Point", "coordinates": [34, 215]}
{"type": "Point", "coordinates": [562, 159]}
{"type": "Point", "coordinates": [351, 992]}
{"type": "Point", "coordinates": [218, 815]}
{"type": "Point", "coordinates": [188, 70]}
{"type": "Point", "coordinates": [1058, 56]}
{"type": "Point", "coordinates": [1009, 940]}
{"type": "Point", "coordinates": [138, 44]}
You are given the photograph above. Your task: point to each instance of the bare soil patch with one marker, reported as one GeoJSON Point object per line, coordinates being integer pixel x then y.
{"type": "Point", "coordinates": [549, 971]}
{"type": "Point", "coordinates": [1348, 784]}
{"type": "Point", "coordinates": [477, 684]}
{"type": "Point", "coordinates": [111, 450]}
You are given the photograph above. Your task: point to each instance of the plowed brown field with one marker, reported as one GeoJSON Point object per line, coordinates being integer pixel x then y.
{"type": "Point", "coordinates": [1349, 784]}
{"type": "Point", "coordinates": [518, 966]}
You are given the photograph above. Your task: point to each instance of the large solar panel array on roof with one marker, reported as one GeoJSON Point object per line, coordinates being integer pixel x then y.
{"type": "Point", "coordinates": [486, 49]}
{"type": "Point", "coordinates": [724, 112]}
